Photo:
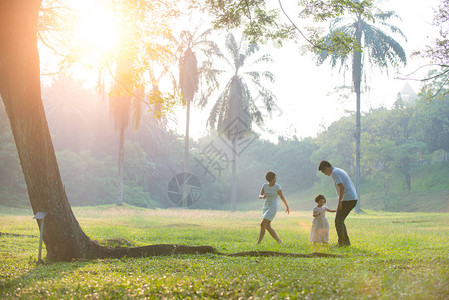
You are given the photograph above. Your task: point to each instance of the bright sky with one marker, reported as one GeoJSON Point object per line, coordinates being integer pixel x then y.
{"type": "Point", "coordinates": [305, 91]}
{"type": "Point", "coordinates": [306, 101]}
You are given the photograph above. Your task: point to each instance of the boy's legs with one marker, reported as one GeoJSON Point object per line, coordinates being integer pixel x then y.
{"type": "Point", "coordinates": [340, 226]}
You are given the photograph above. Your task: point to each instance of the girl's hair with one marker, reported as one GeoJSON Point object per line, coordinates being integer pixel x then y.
{"type": "Point", "coordinates": [270, 176]}
{"type": "Point", "coordinates": [319, 197]}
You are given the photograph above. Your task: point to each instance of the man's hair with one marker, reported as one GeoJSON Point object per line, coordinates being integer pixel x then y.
{"type": "Point", "coordinates": [270, 176]}
{"type": "Point", "coordinates": [324, 164]}
{"type": "Point", "coordinates": [319, 197]}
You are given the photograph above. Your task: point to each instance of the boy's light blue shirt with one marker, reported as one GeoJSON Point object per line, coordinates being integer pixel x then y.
{"type": "Point", "coordinates": [340, 176]}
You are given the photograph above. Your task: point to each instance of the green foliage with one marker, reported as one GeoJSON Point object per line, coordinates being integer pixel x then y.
{"type": "Point", "coordinates": [393, 256]}
{"type": "Point", "coordinates": [262, 22]}
{"type": "Point", "coordinates": [13, 191]}
{"type": "Point", "coordinates": [430, 123]}
{"type": "Point", "coordinates": [92, 181]}
{"type": "Point", "coordinates": [336, 144]}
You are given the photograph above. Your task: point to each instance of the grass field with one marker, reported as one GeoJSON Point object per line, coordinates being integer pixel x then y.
{"type": "Point", "coordinates": [393, 256]}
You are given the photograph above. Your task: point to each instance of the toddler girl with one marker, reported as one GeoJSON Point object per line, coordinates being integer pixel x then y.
{"type": "Point", "coordinates": [320, 225]}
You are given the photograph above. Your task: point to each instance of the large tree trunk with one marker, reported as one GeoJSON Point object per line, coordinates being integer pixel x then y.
{"type": "Point", "coordinates": [21, 94]}
{"type": "Point", "coordinates": [357, 79]}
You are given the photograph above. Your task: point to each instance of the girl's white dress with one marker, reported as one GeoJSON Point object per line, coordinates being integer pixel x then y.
{"type": "Point", "coordinates": [270, 207]}
{"type": "Point", "coordinates": [320, 226]}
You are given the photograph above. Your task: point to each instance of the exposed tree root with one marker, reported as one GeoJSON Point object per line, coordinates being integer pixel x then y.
{"type": "Point", "coordinates": [99, 251]}
{"type": "Point", "coordinates": [275, 253]}
{"type": "Point", "coordinates": [151, 250]}
{"type": "Point", "coordinates": [170, 249]}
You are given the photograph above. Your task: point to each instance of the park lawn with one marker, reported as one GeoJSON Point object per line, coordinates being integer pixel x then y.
{"type": "Point", "coordinates": [393, 256]}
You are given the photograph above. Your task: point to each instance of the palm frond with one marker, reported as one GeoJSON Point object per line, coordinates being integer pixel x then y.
{"type": "Point", "coordinates": [386, 15]}
{"type": "Point", "coordinates": [383, 50]}
{"type": "Point", "coordinates": [238, 100]}
{"type": "Point", "coordinates": [233, 49]}
{"type": "Point", "coordinates": [264, 58]}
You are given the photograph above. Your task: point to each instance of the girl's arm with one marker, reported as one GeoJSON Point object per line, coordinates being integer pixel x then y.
{"type": "Point", "coordinates": [331, 210]}
{"type": "Point", "coordinates": [262, 194]}
{"type": "Point", "coordinates": [316, 213]}
{"type": "Point", "coordinates": [287, 209]}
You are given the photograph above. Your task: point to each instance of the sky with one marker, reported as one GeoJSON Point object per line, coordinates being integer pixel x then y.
{"type": "Point", "coordinates": [306, 99]}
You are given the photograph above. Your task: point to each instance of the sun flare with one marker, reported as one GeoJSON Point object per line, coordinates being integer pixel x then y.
{"type": "Point", "coordinates": [97, 29]}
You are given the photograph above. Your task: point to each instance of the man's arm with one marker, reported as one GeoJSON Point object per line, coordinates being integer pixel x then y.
{"type": "Point", "coordinates": [341, 188]}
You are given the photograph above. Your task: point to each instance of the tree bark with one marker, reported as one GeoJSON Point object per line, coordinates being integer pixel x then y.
{"type": "Point", "coordinates": [234, 176]}
{"type": "Point", "coordinates": [21, 94]}
{"type": "Point", "coordinates": [185, 191]}
{"type": "Point", "coordinates": [357, 79]}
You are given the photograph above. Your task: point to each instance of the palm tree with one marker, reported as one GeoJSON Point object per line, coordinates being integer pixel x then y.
{"type": "Point", "coordinates": [122, 105]}
{"type": "Point", "coordinates": [236, 103]}
{"type": "Point", "coordinates": [378, 49]}
{"type": "Point", "coordinates": [190, 74]}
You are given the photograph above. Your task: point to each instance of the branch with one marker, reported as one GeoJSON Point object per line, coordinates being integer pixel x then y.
{"type": "Point", "coordinates": [299, 30]}
{"type": "Point", "coordinates": [425, 79]}
{"type": "Point", "coordinates": [440, 88]}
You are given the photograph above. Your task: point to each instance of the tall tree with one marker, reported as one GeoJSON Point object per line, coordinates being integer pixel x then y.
{"type": "Point", "coordinates": [140, 48]}
{"type": "Point", "coordinates": [20, 90]}
{"type": "Point", "coordinates": [21, 94]}
{"type": "Point", "coordinates": [378, 49]}
{"type": "Point", "coordinates": [190, 73]}
{"type": "Point", "coordinates": [235, 108]}
{"type": "Point", "coordinates": [122, 104]}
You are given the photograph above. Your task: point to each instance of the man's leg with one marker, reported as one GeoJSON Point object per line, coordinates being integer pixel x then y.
{"type": "Point", "coordinates": [340, 226]}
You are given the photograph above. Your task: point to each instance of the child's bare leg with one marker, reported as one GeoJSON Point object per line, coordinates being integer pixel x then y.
{"type": "Point", "coordinates": [262, 230]}
{"type": "Point", "coordinates": [272, 232]}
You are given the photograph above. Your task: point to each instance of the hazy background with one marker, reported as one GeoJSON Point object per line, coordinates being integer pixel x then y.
{"type": "Point", "coordinates": [310, 122]}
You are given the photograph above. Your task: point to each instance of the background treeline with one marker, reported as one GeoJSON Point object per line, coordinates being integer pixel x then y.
{"type": "Point", "coordinates": [404, 158]}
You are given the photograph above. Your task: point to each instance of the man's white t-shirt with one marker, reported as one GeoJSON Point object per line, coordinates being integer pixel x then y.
{"type": "Point", "coordinates": [340, 176]}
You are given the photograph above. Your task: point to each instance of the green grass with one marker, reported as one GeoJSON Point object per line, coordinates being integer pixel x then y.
{"type": "Point", "coordinates": [393, 256]}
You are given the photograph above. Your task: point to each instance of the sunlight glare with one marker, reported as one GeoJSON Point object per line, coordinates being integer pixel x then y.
{"type": "Point", "coordinates": [97, 29]}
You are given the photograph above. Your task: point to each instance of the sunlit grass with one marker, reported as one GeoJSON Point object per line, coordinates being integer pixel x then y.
{"type": "Point", "coordinates": [393, 256]}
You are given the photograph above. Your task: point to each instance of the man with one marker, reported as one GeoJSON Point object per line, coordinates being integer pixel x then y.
{"type": "Point", "coordinates": [347, 198]}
